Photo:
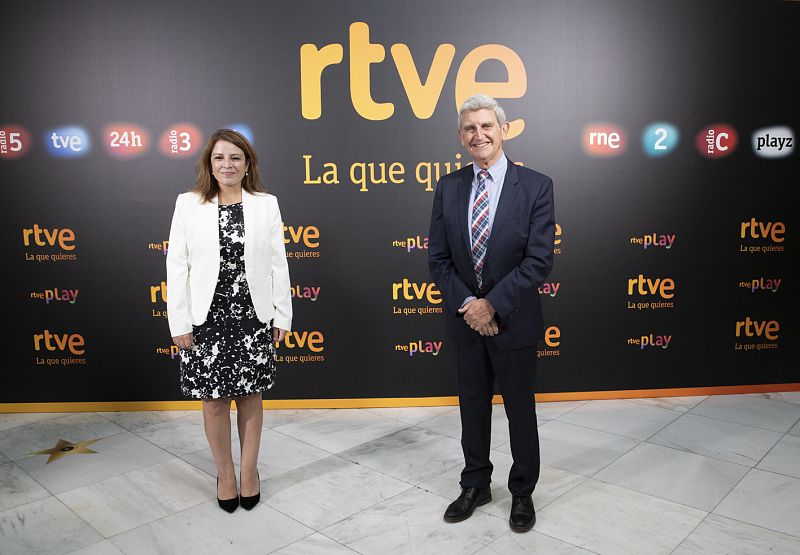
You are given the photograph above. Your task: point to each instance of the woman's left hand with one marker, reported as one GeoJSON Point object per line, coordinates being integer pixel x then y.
{"type": "Point", "coordinates": [278, 334]}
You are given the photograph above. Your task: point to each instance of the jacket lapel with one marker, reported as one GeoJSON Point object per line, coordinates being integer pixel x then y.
{"type": "Point", "coordinates": [464, 190]}
{"type": "Point", "coordinates": [248, 209]}
{"type": "Point", "coordinates": [507, 197]}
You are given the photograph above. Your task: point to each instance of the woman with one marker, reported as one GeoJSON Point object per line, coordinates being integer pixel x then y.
{"type": "Point", "coordinates": [228, 301]}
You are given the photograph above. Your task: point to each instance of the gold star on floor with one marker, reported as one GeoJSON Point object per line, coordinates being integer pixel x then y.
{"type": "Point", "coordinates": [64, 448]}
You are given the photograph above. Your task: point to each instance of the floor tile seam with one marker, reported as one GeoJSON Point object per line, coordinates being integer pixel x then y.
{"type": "Point", "coordinates": [303, 441]}
{"type": "Point", "coordinates": [324, 411]}
{"type": "Point", "coordinates": [76, 515]}
{"type": "Point", "coordinates": [742, 424]}
{"type": "Point", "coordinates": [395, 477]}
{"type": "Point", "coordinates": [637, 440]}
{"type": "Point", "coordinates": [29, 475]}
{"type": "Point", "coordinates": [352, 447]}
{"type": "Point", "coordinates": [320, 530]}
{"type": "Point", "coordinates": [665, 426]}
{"type": "Point", "coordinates": [690, 452]}
{"type": "Point", "coordinates": [584, 403]}
{"type": "Point", "coordinates": [740, 521]}
{"type": "Point", "coordinates": [564, 541]}
{"type": "Point", "coordinates": [638, 401]}
{"type": "Point", "coordinates": [737, 423]}
{"type": "Point", "coordinates": [653, 496]}
{"type": "Point", "coordinates": [36, 421]}
{"type": "Point", "coordinates": [337, 542]}
{"type": "Point", "coordinates": [785, 434]}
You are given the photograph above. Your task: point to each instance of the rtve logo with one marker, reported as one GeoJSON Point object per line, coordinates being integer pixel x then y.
{"type": "Point", "coordinates": [314, 340]}
{"type": "Point", "coordinates": [422, 95]}
{"type": "Point", "coordinates": [14, 141]}
{"type": "Point", "coordinates": [758, 328]}
{"type": "Point", "coordinates": [603, 139]}
{"type": "Point", "coordinates": [72, 342]}
{"type": "Point", "coordinates": [43, 237]}
{"type": "Point", "coordinates": [158, 292]}
{"type": "Point", "coordinates": [640, 285]}
{"type": "Point", "coordinates": [412, 291]}
{"type": "Point", "coordinates": [307, 235]}
{"type": "Point", "coordinates": [755, 229]}
{"type": "Point", "coordinates": [552, 336]}
{"type": "Point", "coordinates": [717, 141]}
{"type": "Point", "coordinates": [68, 142]}
{"type": "Point", "coordinates": [773, 142]}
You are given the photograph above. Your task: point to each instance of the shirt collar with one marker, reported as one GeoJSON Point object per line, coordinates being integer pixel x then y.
{"type": "Point", "coordinates": [495, 170]}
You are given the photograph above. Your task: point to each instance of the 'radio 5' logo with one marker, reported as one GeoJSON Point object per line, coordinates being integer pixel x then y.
{"type": "Point", "coordinates": [717, 141]}
{"type": "Point", "coordinates": [68, 142]}
{"type": "Point", "coordinates": [14, 141]}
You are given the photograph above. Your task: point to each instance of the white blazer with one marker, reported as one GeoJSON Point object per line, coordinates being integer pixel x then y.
{"type": "Point", "coordinates": [193, 261]}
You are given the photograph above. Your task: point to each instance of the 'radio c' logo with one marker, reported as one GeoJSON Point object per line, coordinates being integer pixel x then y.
{"type": "Point", "coordinates": [717, 141]}
{"type": "Point", "coordinates": [67, 142]}
{"type": "Point", "coordinates": [125, 140]}
{"type": "Point", "coordinates": [660, 139]}
{"type": "Point", "coordinates": [603, 139]}
{"type": "Point", "coordinates": [14, 141]}
{"type": "Point", "coordinates": [180, 140]}
{"type": "Point", "coordinates": [773, 142]}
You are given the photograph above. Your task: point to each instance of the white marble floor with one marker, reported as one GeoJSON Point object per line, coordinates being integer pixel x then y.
{"type": "Point", "coordinates": [680, 475]}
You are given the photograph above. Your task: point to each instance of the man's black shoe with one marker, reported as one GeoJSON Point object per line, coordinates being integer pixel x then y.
{"type": "Point", "coordinates": [461, 508]}
{"type": "Point", "coordinates": [523, 515]}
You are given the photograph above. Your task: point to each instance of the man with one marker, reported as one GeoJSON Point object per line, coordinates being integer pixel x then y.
{"type": "Point", "coordinates": [490, 247]}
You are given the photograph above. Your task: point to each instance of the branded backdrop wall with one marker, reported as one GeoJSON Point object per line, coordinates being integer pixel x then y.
{"type": "Point", "coordinates": [667, 127]}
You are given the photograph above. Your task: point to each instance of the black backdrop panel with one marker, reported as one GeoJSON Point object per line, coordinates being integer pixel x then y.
{"type": "Point", "coordinates": [367, 321]}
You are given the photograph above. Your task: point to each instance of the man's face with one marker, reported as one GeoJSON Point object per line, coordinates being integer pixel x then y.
{"type": "Point", "coordinates": [482, 136]}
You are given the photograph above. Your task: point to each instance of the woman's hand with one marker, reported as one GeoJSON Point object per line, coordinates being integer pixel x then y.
{"type": "Point", "coordinates": [185, 341]}
{"type": "Point", "coordinates": [278, 334]}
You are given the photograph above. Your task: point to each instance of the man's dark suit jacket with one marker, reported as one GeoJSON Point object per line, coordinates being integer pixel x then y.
{"type": "Point", "coordinates": [518, 258]}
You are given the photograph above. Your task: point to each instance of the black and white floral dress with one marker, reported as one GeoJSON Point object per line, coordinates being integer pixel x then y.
{"type": "Point", "coordinates": [234, 354]}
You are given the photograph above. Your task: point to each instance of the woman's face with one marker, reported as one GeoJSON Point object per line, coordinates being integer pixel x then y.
{"type": "Point", "coordinates": [228, 164]}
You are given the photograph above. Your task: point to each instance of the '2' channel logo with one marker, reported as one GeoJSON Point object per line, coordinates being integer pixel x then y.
{"type": "Point", "coordinates": [660, 139]}
{"type": "Point", "coordinates": [68, 142]}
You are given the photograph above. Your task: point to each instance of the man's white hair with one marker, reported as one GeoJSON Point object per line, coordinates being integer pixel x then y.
{"type": "Point", "coordinates": [480, 102]}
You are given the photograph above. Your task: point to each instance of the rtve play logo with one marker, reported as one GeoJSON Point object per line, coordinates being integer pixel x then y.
{"type": "Point", "coordinates": [70, 141]}
{"type": "Point", "coordinates": [773, 142]}
{"type": "Point", "coordinates": [603, 139]}
{"type": "Point", "coordinates": [14, 141]}
{"type": "Point", "coordinates": [717, 141]}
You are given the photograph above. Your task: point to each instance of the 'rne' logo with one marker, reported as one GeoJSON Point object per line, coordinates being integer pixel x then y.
{"type": "Point", "coordinates": [59, 342]}
{"type": "Point", "coordinates": [758, 328]}
{"type": "Point", "coordinates": [43, 237]}
{"type": "Point", "coordinates": [423, 96]}
{"type": "Point", "coordinates": [603, 139]}
{"type": "Point", "coordinates": [308, 235]}
{"type": "Point", "coordinates": [764, 230]}
{"type": "Point", "coordinates": [412, 291]}
{"type": "Point", "coordinates": [663, 287]}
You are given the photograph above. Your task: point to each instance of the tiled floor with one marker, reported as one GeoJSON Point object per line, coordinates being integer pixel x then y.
{"type": "Point", "coordinates": [682, 475]}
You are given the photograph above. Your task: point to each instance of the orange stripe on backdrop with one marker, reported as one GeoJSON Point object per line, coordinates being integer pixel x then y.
{"type": "Point", "coordinates": [396, 402]}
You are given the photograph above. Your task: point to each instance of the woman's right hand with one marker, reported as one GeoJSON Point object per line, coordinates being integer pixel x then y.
{"type": "Point", "coordinates": [185, 341]}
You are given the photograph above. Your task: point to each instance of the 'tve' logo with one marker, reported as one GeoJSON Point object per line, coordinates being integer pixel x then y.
{"type": "Point", "coordinates": [763, 230]}
{"type": "Point", "coordinates": [67, 142]}
{"type": "Point", "coordinates": [717, 141]}
{"type": "Point", "coordinates": [73, 342]}
{"type": "Point", "coordinates": [43, 236]}
{"type": "Point", "coordinates": [422, 95]}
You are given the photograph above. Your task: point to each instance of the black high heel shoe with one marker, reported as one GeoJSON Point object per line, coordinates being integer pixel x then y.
{"type": "Point", "coordinates": [251, 501]}
{"type": "Point", "coordinates": [227, 505]}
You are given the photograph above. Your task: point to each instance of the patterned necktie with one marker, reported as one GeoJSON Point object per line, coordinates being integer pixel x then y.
{"type": "Point", "coordinates": [480, 225]}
